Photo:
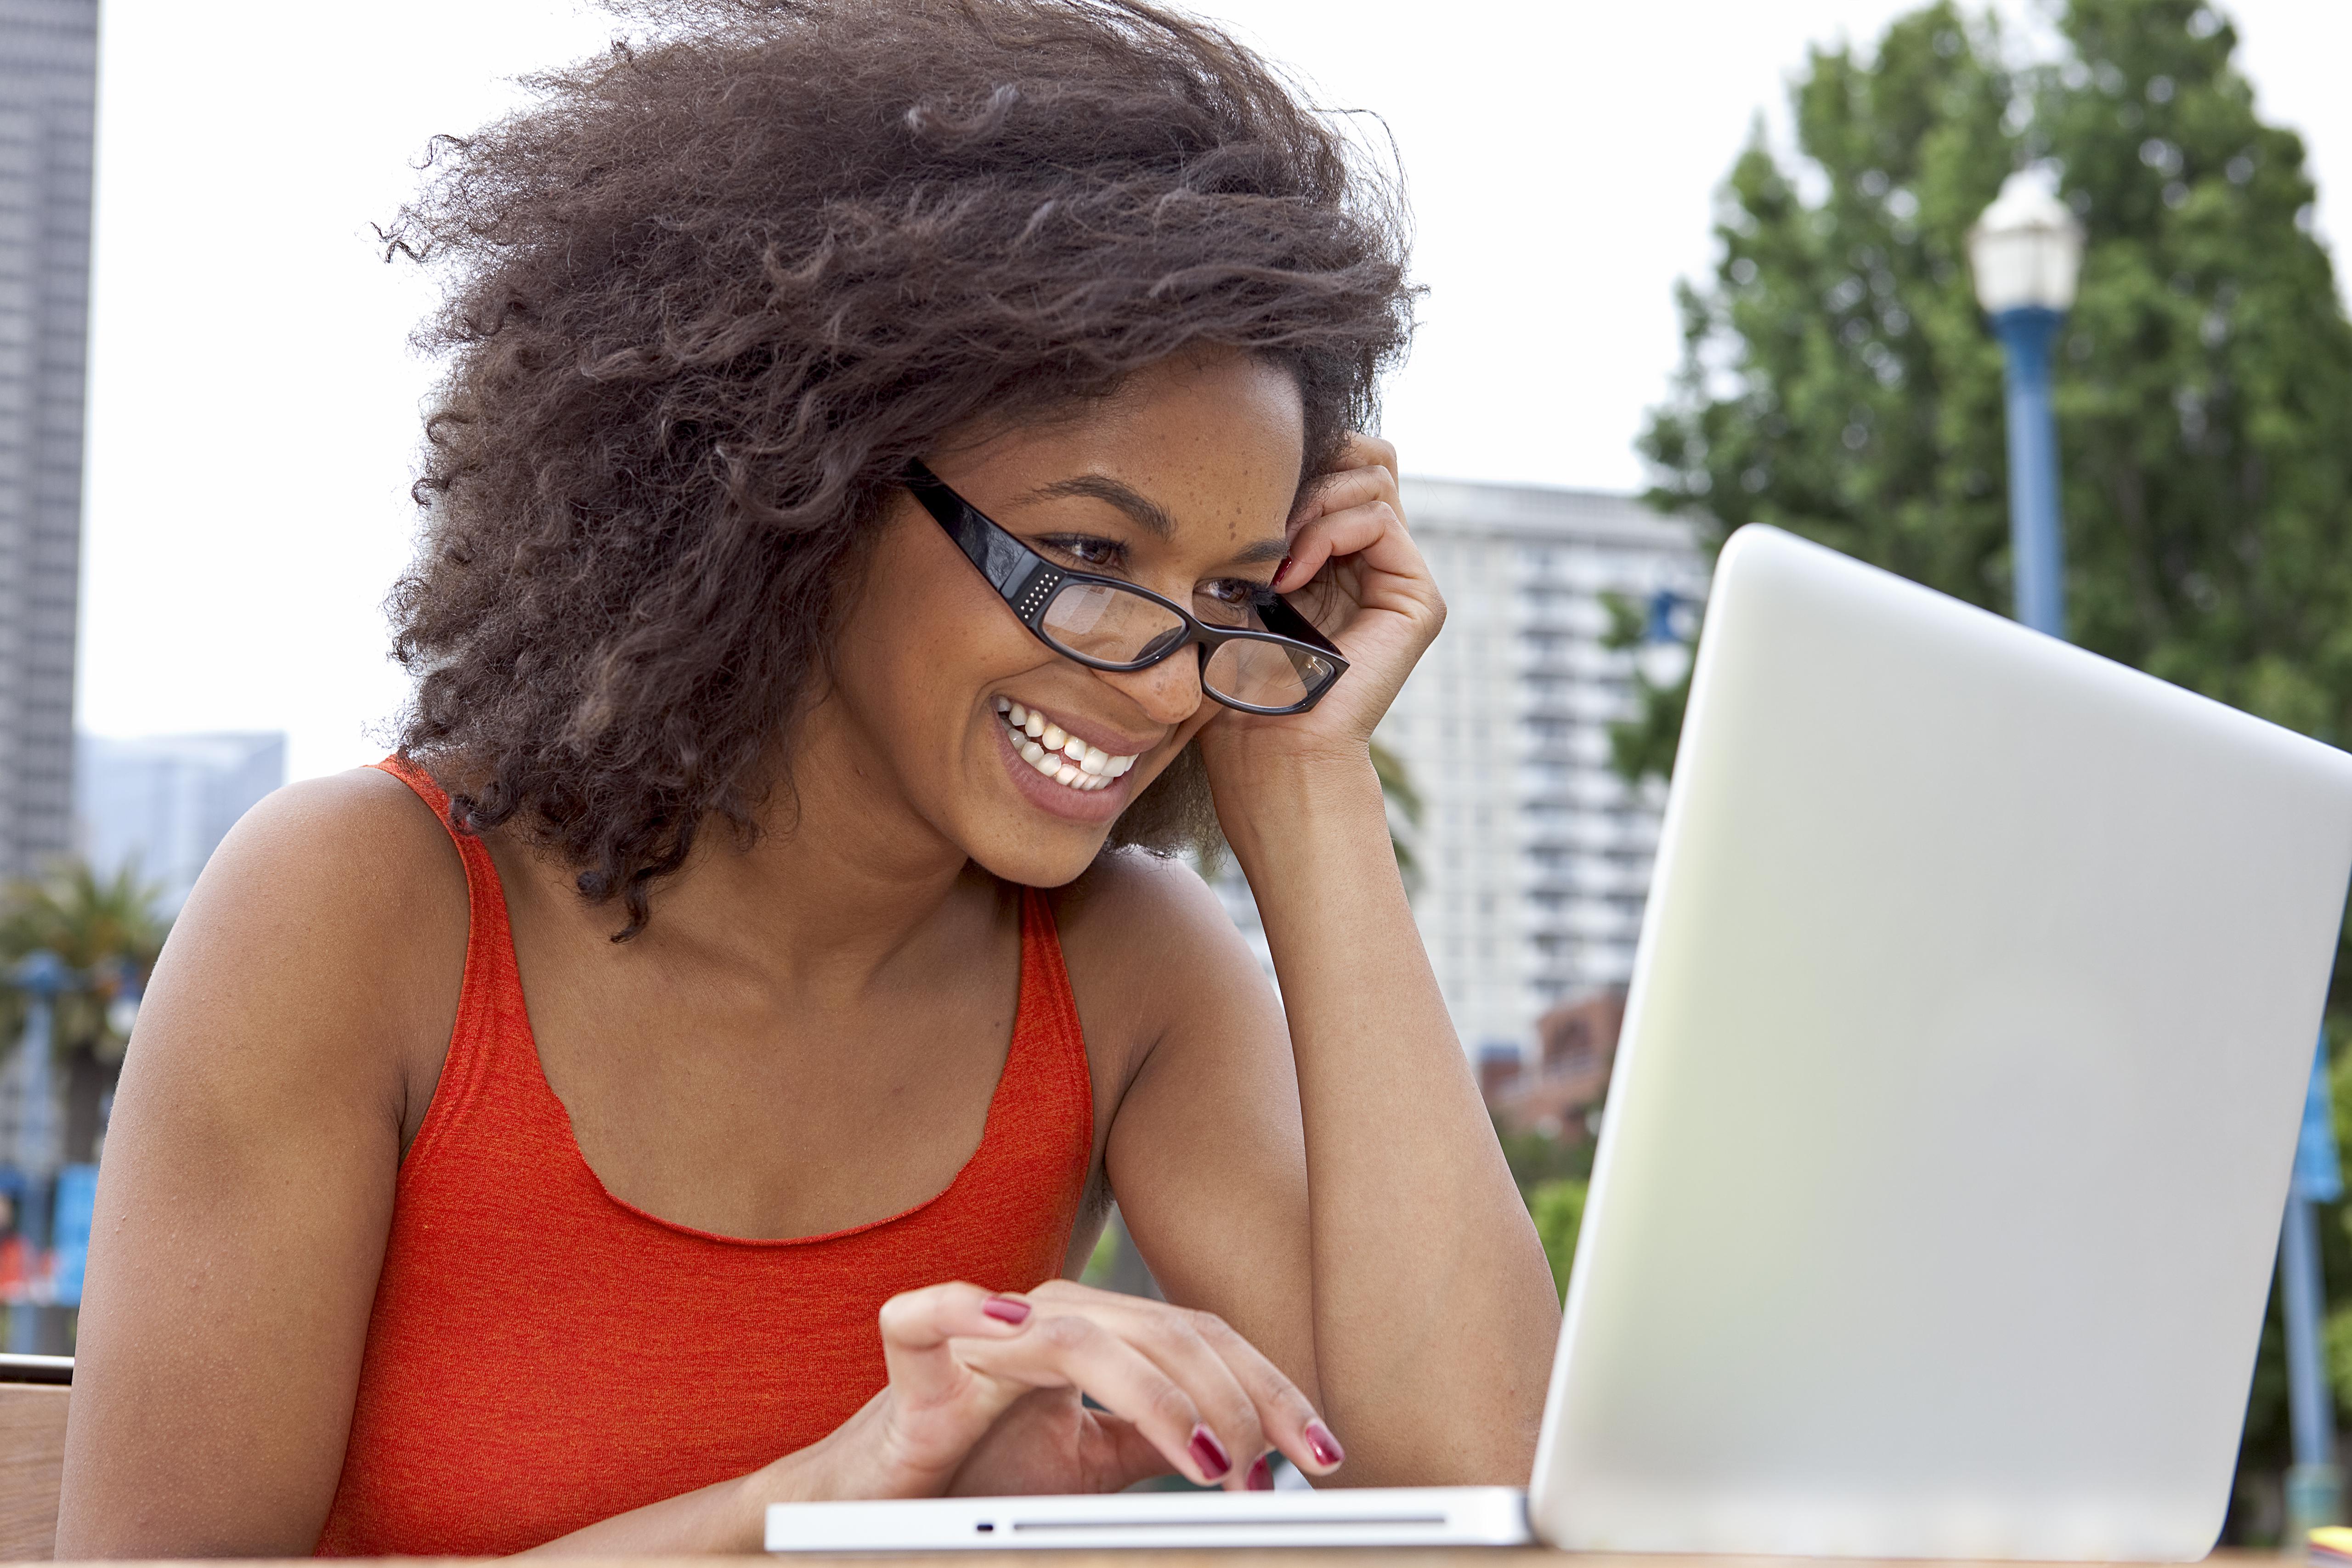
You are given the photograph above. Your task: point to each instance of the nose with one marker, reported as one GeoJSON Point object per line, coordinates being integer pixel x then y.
{"type": "Point", "coordinates": [1168, 692]}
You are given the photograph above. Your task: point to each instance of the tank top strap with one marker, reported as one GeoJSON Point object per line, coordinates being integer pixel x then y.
{"type": "Point", "coordinates": [1040, 1126]}
{"type": "Point", "coordinates": [1040, 1134]}
{"type": "Point", "coordinates": [1048, 1003]}
{"type": "Point", "coordinates": [492, 1021]}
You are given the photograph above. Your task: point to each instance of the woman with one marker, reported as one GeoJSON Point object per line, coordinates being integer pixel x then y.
{"type": "Point", "coordinates": [691, 1073]}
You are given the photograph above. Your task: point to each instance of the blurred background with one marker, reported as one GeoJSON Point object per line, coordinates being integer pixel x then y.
{"type": "Point", "coordinates": [1689, 264]}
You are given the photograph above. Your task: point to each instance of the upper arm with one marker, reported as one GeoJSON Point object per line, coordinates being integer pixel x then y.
{"type": "Point", "coordinates": [1205, 1153]}
{"type": "Point", "coordinates": [247, 1185]}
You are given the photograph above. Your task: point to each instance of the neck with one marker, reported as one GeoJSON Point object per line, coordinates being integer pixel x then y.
{"type": "Point", "coordinates": [842, 879]}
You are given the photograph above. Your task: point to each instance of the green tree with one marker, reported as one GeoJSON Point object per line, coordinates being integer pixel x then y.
{"type": "Point", "coordinates": [105, 929]}
{"type": "Point", "coordinates": [1838, 380]}
{"type": "Point", "coordinates": [1557, 1209]}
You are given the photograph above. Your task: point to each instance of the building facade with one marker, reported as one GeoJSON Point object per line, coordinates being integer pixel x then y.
{"type": "Point", "coordinates": [1534, 855]}
{"type": "Point", "coordinates": [48, 89]}
{"type": "Point", "coordinates": [164, 803]}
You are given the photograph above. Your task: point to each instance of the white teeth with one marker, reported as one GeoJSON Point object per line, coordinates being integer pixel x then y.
{"type": "Point", "coordinates": [1059, 754]}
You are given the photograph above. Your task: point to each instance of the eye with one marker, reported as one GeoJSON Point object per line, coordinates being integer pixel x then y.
{"type": "Point", "coordinates": [1086, 550]}
{"type": "Point", "coordinates": [1226, 601]}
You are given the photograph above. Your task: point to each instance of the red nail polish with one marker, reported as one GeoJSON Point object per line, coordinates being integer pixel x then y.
{"type": "Point", "coordinates": [1005, 1310]}
{"type": "Point", "coordinates": [1210, 1453]}
{"type": "Point", "coordinates": [1281, 569]}
{"type": "Point", "coordinates": [1261, 1476]}
{"type": "Point", "coordinates": [1322, 1445]}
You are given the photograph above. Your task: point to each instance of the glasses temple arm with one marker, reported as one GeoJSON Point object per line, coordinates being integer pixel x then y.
{"type": "Point", "coordinates": [1283, 620]}
{"type": "Point", "coordinates": [1005, 560]}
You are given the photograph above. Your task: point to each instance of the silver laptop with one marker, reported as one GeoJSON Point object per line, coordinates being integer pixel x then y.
{"type": "Point", "coordinates": [1937, 1189]}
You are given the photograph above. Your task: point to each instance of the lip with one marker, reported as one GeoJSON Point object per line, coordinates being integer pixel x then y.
{"type": "Point", "coordinates": [1091, 806]}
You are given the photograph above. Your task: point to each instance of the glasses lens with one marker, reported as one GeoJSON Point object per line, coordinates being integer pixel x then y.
{"type": "Point", "coordinates": [1097, 621]}
{"type": "Point", "coordinates": [1267, 674]}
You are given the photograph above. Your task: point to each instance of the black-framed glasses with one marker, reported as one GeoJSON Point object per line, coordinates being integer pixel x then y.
{"type": "Point", "coordinates": [1280, 665]}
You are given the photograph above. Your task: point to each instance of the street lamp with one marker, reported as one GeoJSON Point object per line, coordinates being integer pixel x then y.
{"type": "Point", "coordinates": [2025, 252]}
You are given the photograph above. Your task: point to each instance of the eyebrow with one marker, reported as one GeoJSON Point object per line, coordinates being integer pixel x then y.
{"type": "Point", "coordinates": [1148, 514]}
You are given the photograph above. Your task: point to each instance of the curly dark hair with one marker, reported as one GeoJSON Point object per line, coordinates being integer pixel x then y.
{"type": "Point", "coordinates": [711, 291]}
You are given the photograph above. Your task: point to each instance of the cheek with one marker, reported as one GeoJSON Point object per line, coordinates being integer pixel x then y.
{"type": "Point", "coordinates": [921, 638]}
{"type": "Point", "coordinates": [1165, 757]}
{"type": "Point", "coordinates": [920, 692]}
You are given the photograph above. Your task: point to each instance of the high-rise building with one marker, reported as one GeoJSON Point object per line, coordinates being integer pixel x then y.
{"type": "Point", "coordinates": [48, 90]}
{"type": "Point", "coordinates": [1533, 856]}
{"type": "Point", "coordinates": [164, 803]}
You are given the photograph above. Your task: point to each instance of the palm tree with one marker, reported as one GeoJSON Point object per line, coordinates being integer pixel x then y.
{"type": "Point", "coordinates": [106, 932]}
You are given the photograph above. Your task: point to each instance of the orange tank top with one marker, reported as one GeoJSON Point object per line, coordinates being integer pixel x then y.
{"type": "Point", "coordinates": [542, 1356]}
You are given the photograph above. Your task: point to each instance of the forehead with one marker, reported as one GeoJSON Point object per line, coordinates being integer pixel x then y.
{"type": "Point", "coordinates": [1214, 441]}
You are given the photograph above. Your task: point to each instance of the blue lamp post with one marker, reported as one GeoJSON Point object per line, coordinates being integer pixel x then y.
{"type": "Point", "coordinates": [2315, 1483]}
{"type": "Point", "coordinates": [2026, 252]}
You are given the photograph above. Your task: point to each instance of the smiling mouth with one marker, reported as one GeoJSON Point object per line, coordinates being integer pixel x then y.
{"type": "Point", "coordinates": [1054, 752]}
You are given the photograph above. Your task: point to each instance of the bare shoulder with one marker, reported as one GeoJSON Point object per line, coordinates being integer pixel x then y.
{"type": "Point", "coordinates": [333, 918]}
{"type": "Point", "coordinates": [1151, 951]}
{"type": "Point", "coordinates": [286, 1049]}
{"type": "Point", "coordinates": [358, 831]}
{"type": "Point", "coordinates": [1136, 914]}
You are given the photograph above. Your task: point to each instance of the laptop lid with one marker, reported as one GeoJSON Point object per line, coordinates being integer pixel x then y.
{"type": "Point", "coordinates": [1940, 1178]}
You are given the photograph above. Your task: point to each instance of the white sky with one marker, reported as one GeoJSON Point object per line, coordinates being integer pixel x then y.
{"type": "Point", "coordinates": [254, 404]}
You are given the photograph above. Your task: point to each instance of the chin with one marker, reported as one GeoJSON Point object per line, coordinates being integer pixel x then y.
{"type": "Point", "coordinates": [1037, 863]}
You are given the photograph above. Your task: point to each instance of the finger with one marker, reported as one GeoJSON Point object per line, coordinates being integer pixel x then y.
{"type": "Point", "coordinates": [1371, 534]}
{"type": "Point", "coordinates": [1173, 1338]}
{"type": "Point", "coordinates": [1067, 1348]}
{"type": "Point", "coordinates": [1362, 451]}
{"type": "Point", "coordinates": [1130, 1456]}
{"type": "Point", "coordinates": [1189, 1348]}
{"type": "Point", "coordinates": [1284, 1414]}
{"type": "Point", "coordinates": [1285, 1419]}
{"type": "Point", "coordinates": [917, 1326]}
{"type": "Point", "coordinates": [1350, 487]}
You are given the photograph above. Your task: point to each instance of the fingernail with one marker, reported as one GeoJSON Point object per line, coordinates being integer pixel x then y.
{"type": "Point", "coordinates": [1005, 1310]}
{"type": "Point", "coordinates": [1261, 1476]}
{"type": "Point", "coordinates": [1281, 569]}
{"type": "Point", "coordinates": [1322, 1445]}
{"type": "Point", "coordinates": [1210, 1453]}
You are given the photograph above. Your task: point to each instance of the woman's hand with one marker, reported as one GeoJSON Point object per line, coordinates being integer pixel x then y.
{"type": "Point", "coordinates": [984, 1398]}
{"type": "Point", "coordinates": [1356, 572]}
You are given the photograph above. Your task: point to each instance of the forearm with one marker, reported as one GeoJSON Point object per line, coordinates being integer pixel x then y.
{"type": "Point", "coordinates": [727, 1517]}
{"type": "Point", "coordinates": [1434, 1312]}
